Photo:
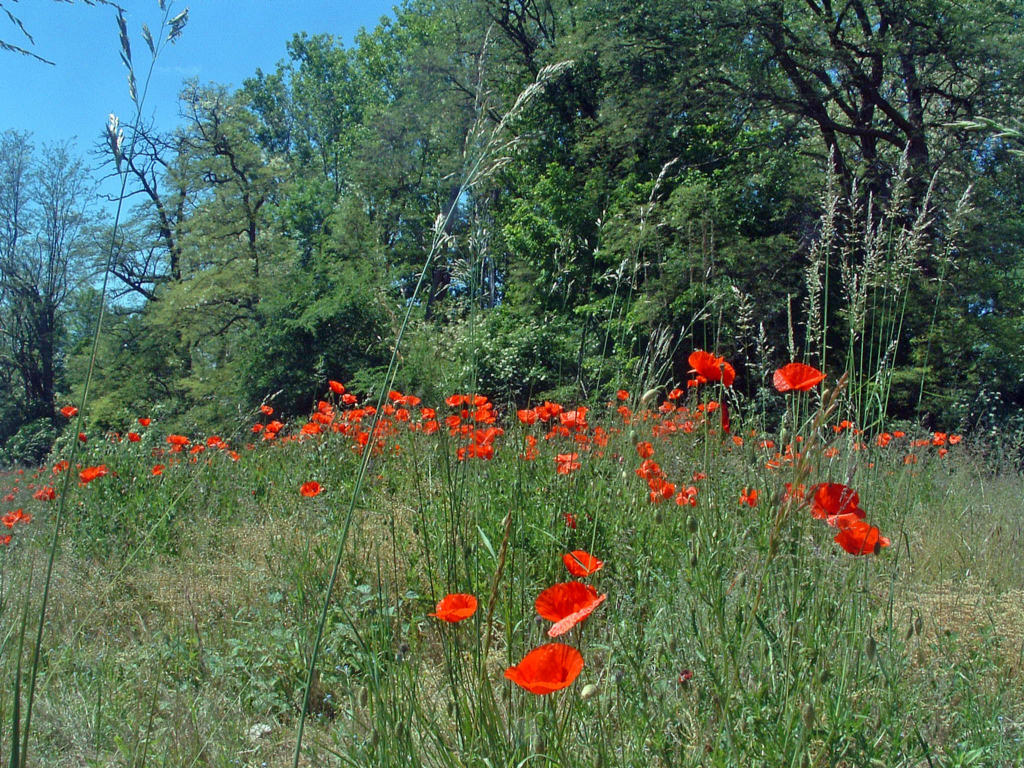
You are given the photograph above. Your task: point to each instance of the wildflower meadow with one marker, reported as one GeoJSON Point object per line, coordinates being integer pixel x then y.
{"type": "Point", "coordinates": [561, 384]}
{"type": "Point", "coordinates": [648, 581]}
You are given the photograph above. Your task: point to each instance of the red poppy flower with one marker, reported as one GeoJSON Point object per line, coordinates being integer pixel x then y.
{"type": "Point", "coordinates": [145, 421]}
{"type": "Point", "coordinates": [797, 377]}
{"type": "Point", "coordinates": [565, 463]}
{"type": "Point", "coordinates": [69, 411]}
{"type": "Point", "coordinates": [622, 394]}
{"type": "Point", "coordinates": [547, 669]}
{"type": "Point", "coordinates": [336, 387]}
{"type": "Point", "coordinates": [649, 470]}
{"type": "Point", "coordinates": [661, 490]}
{"type": "Point", "coordinates": [158, 469]}
{"type": "Point", "coordinates": [60, 466]}
{"type": "Point", "coordinates": [645, 450]}
{"type": "Point", "coordinates": [82, 437]}
{"type": "Point", "coordinates": [455, 607]}
{"type": "Point", "coordinates": [581, 563]}
{"type": "Point", "coordinates": [89, 474]}
{"type": "Point", "coordinates": [46, 493]}
{"type": "Point", "coordinates": [567, 605]}
{"type": "Point", "coordinates": [711, 368]}
{"type": "Point", "coordinates": [17, 516]}
{"type": "Point", "coordinates": [178, 440]}
{"type": "Point", "coordinates": [861, 538]}
{"type": "Point", "coordinates": [311, 489]}
{"type": "Point", "coordinates": [829, 500]}
{"type": "Point", "coordinates": [687, 497]}
{"type": "Point", "coordinates": [134, 437]}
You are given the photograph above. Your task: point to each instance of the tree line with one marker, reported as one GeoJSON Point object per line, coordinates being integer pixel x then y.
{"type": "Point", "coordinates": [760, 177]}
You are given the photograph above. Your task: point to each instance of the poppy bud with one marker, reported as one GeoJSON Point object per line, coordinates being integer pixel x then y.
{"type": "Point", "coordinates": [870, 646]}
{"type": "Point", "coordinates": [691, 524]}
{"type": "Point", "coordinates": [809, 715]}
{"type": "Point", "coordinates": [364, 696]}
{"type": "Point", "coordinates": [588, 691]}
{"type": "Point", "coordinates": [918, 625]}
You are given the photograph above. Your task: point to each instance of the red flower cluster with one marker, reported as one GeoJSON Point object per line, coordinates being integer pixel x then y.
{"type": "Point", "coordinates": [555, 666]}
{"type": "Point", "coordinates": [839, 506]}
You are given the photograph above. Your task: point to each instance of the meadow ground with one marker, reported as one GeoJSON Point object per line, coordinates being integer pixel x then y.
{"type": "Point", "coordinates": [813, 595]}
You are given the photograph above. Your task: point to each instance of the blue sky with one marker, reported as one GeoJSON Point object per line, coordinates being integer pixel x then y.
{"type": "Point", "coordinates": [225, 41]}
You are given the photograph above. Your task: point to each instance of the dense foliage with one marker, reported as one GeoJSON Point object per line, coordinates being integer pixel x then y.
{"type": "Point", "coordinates": [601, 187]}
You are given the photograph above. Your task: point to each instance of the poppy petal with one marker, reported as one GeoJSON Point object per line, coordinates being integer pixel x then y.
{"type": "Point", "coordinates": [861, 538]}
{"type": "Point", "coordinates": [832, 499]}
{"type": "Point", "coordinates": [797, 377]}
{"type": "Point", "coordinates": [581, 563]}
{"type": "Point", "coordinates": [574, 618]}
{"type": "Point", "coordinates": [567, 604]}
{"type": "Point", "coordinates": [547, 669]}
{"type": "Point", "coordinates": [455, 607]}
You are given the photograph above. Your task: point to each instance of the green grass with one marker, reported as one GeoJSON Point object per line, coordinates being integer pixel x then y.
{"type": "Point", "coordinates": [183, 607]}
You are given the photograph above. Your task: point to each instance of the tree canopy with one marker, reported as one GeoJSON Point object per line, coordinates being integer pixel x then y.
{"type": "Point", "coordinates": [767, 178]}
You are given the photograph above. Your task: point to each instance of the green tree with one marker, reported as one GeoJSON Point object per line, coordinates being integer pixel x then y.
{"type": "Point", "coordinates": [43, 214]}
